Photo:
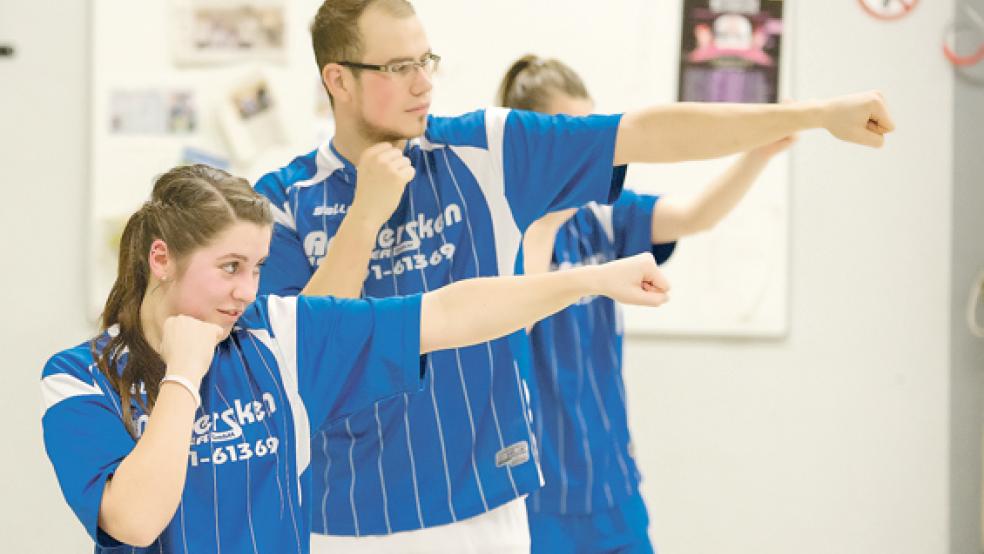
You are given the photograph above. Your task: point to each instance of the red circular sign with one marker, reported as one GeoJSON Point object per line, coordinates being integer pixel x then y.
{"type": "Point", "coordinates": [888, 9]}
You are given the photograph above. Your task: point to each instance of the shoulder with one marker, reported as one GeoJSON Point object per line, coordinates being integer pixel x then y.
{"type": "Point", "coordinates": [463, 130]}
{"type": "Point", "coordinates": [74, 361]}
{"type": "Point", "coordinates": [70, 373]}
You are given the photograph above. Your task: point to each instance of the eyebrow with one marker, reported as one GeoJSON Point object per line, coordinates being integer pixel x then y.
{"type": "Point", "coordinates": [235, 256]}
{"type": "Point", "coordinates": [407, 58]}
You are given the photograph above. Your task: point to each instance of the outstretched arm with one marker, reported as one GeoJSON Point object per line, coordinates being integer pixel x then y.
{"type": "Point", "coordinates": [675, 217]}
{"type": "Point", "coordinates": [696, 131]}
{"type": "Point", "coordinates": [477, 310]}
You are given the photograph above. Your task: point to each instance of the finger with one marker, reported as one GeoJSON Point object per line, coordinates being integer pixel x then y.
{"type": "Point", "coordinates": [219, 332]}
{"type": "Point", "coordinates": [655, 277]}
{"type": "Point", "coordinates": [652, 299]}
{"type": "Point", "coordinates": [389, 155]}
{"type": "Point", "coordinates": [872, 139]}
{"type": "Point", "coordinates": [880, 115]}
{"type": "Point", "coordinates": [375, 150]}
{"type": "Point", "coordinates": [407, 174]}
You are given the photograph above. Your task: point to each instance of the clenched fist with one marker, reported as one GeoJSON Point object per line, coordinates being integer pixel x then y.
{"type": "Point", "coordinates": [383, 174]}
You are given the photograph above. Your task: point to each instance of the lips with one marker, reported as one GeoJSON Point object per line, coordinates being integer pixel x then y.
{"type": "Point", "coordinates": [234, 314]}
{"type": "Point", "coordinates": [421, 109]}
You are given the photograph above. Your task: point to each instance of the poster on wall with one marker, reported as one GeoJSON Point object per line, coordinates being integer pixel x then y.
{"type": "Point", "coordinates": [223, 31]}
{"type": "Point", "coordinates": [250, 118]}
{"type": "Point", "coordinates": [152, 112]}
{"type": "Point", "coordinates": [729, 51]}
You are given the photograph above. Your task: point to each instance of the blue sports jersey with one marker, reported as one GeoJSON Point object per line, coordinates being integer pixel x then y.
{"type": "Point", "coordinates": [464, 444]}
{"type": "Point", "coordinates": [580, 416]}
{"type": "Point", "coordinates": [289, 366]}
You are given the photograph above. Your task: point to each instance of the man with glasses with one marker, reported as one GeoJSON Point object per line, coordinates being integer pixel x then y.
{"type": "Point", "coordinates": [411, 202]}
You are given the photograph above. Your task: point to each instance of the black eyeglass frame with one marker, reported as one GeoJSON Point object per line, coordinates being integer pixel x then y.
{"type": "Point", "coordinates": [429, 58]}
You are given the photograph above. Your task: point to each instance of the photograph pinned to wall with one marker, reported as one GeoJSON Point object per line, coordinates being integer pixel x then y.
{"type": "Point", "coordinates": [152, 112]}
{"type": "Point", "coordinates": [191, 156]}
{"type": "Point", "coordinates": [729, 51]}
{"type": "Point", "coordinates": [250, 119]}
{"type": "Point", "coordinates": [208, 32]}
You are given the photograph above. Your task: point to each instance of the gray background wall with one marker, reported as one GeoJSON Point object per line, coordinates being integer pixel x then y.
{"type": "Point", "coordinates": [859, 432]}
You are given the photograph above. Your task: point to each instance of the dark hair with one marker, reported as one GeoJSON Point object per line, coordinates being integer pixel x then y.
{"type": "Point", "coordinates": [188, 207]}
{"type": "Point", "coordinates": [335, 30]}
{"type": "Point", "coordinates": [530, 82]}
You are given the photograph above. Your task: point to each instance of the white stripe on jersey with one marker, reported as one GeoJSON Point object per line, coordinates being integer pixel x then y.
{"type": "Point", "coordinates": [249, 508]}
{"type": "Point", "coordinates": [604, 215]}
{"type": "Point", "coordinates": [62, 386]}
{"type": "Point", "coordinates": [413, 464]}
{"type": "Point", "coordinates": [283, 321]}
{"type": "Point", "coordinates": [487, 168]}
{"type": "Point", "coordinates": [589, 484]}
{"type": "Point", "coordinates": [379, 466]}
{"type": "Point", "coordinates": [596, 391]}
{"type": "Point", "coordinates": [282, 216]}
{"type": "Point", "coordinates": [324, 501]}
{"type": "Point", "coordinates": [457, 357]}
{"type": "Point", "coordinates": [327, 163]}
{"type": "Point", "coordinates": [497, 220]}
{"type": "Point", "coordinates": [560, 432]}
{"type": "Point", "coordinates": [355, 513]}
{"type": "Point", "coordinates": [406, 404]}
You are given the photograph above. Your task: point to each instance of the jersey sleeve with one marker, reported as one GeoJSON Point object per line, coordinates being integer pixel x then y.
{"type": "Point", "coordinates": [632, 224]}
{"type": "Point", "coordinates": [84, 437]}
{"type": "Point", "coordinates": [349, 352]}
{"type": "Point", "coordinates": [287, 269]}
{"type": "Point", "coordinates": [552, 162]}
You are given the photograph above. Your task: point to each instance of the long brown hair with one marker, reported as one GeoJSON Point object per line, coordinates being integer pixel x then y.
{"type": "Point", "coordinates": [188, 207]}
{"type": "Point", "coordinates": [530, 83]}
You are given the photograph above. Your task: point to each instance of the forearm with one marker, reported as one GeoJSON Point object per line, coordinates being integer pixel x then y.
{"type": "Point", "coordinates": [477, 310]}
{"type": "Point", "coordinates": [144, 492]}
{"type": "Point", "coordinates": [343, 269]}
{"type": "Point", "coordinates": [695, 131]}
{"type": "Point", "coordinates": [676, 217]}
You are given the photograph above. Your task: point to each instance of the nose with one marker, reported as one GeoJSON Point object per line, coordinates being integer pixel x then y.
{"type": "Point", "coordinates": [422, 81]}
{"type": "Point", "coordinates": [245, 289]}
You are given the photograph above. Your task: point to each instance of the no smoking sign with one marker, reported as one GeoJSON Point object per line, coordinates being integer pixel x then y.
{"type": "Point", "coordinates": [888, 9]}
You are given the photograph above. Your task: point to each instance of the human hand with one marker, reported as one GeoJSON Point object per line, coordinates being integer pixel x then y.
{"type": "Point", "coordinates": [383, 174]}
{"type": "Point", "coordinates": [859, 118]}
{"type": "Point", "coordinates": [188, 346]}
{"type": "Point", "coordinates": [634, 280]}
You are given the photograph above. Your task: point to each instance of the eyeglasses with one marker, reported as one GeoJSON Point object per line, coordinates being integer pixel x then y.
{"type": "Point", "coordinates": [428, 63]}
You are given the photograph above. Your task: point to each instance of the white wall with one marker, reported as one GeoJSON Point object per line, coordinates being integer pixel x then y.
{"type": "Point", "coordinates": [43, 153]}
{"type": "Point", "coordinates": [836, 438]}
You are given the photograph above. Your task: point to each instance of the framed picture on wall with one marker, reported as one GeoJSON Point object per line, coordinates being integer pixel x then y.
{"type": "Point", "coordinates": [250, 118]}
{"type": "Point", "coordinates": [208, 32]}
{"type": "Point", "coordinates": [153, 112]}
{"type": "Point", "coordinates": [729, 51]}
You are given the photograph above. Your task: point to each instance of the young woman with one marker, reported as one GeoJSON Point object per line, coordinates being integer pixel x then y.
{"type": "Point", "coordinates": [591, 500]}
{"type": "Point", "coordinates": [185, 425]}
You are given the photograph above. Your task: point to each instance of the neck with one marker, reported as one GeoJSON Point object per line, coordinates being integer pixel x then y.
{"type": "Point", "coordinates": [351, 141]}
{"type": "Point", "coordinates": [153, 315]}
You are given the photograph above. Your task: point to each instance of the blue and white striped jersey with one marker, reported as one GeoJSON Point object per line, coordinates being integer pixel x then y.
{"type": "Point", "coordinates": [464, 444]}
{"type": "Point", "coordinates": [289, 366]}
{"type": "Point", "coordinates": [580, 413]}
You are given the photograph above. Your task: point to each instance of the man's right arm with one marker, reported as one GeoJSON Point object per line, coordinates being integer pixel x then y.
{"type": "Point", "coordinates": [697, 131]}
{"type": "Point", "coordinates": [383, 174]}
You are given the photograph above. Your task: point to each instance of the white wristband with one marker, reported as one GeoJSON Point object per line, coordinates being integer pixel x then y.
{"type": "Point", "coordinates": [184, 382]}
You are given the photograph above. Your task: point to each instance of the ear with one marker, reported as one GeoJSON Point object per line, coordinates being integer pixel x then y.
{"type": "Point", "coordinates": [162, 266]}
{"type": "Point", "coordinates": [337, 81]}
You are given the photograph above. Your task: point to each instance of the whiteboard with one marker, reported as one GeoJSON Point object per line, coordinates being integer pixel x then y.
{"type": "Point", "coordinates": [732, 280]}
